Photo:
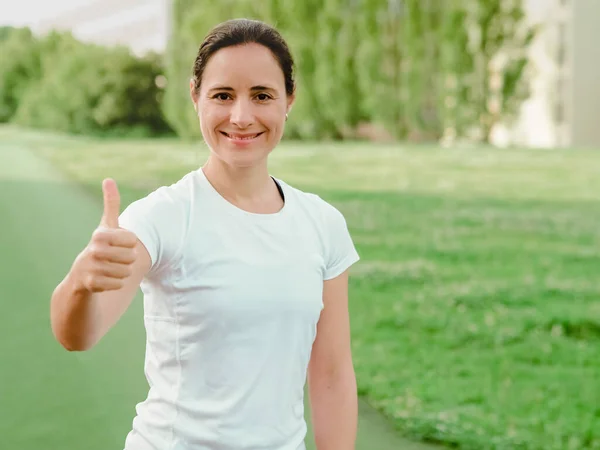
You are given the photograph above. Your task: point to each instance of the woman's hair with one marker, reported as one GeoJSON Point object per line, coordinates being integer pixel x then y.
{"type": "Point", "coordinates": [245, 31]}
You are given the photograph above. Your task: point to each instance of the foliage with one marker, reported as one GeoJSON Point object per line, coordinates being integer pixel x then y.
{"type": "Point", "coordinates": [19, 68]}
{"type": "Point", "coordinates": [417, 69]}
{"type": "Point", "coordinates": [58, 82]}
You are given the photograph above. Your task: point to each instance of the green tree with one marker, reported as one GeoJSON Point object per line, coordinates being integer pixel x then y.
{"type": "Point", "coordinates": [20, 67]}
{"type": "Point", "coordinates": [421, 69]}
{"type": "Point", "coordinates": [93, 89]}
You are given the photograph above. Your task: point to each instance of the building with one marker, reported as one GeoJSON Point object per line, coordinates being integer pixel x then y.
{"type": "Point", "coordinates": [563, 108]}
{"type": "Point", "coordinates": [564, 105]}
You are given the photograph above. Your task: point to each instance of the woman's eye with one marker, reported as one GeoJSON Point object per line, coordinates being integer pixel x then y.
{"type": "Point", "coordinates": [222, 96]}
{"type": "Point", "coordinates": [263, 97]}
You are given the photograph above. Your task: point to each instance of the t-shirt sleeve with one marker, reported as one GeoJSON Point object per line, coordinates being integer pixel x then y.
{"type": "Point", "coordinates": [158, 221]}
{"type": "Point", "coordinates": [341, 252]}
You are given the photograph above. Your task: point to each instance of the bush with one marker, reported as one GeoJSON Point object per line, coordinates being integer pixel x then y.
{"type": "Point", "coordinates": [60, 83]}
{"type": "Point", "coordinates": [19, 68]}
{"type": "Point", "coordinates": [96, 90]}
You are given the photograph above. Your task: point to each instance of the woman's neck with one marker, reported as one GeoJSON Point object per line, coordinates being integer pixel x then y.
{"type": "Point", "coordinates": [246, 187]}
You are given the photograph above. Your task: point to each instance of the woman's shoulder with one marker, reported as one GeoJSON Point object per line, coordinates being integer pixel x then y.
{"type": "Point", "coordinates": [313, 202]}
{"type": "Point", "coordinates": [164, 207]}
{"type": "Point", "coordinates": [160, 220]}
{"type": "Point", "coordinates": [339, 251]}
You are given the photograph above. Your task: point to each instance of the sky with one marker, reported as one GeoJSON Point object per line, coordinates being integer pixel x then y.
{"type": "Point", "coordinates": [147, 19]}
{"type": "Point", "coordinates": [28, 12]}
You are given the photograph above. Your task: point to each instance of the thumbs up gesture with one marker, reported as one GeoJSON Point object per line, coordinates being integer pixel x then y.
{"type": "Point", "coordinates": [112, 204]}
{"type": "Point", "coordinates": [108, 259]}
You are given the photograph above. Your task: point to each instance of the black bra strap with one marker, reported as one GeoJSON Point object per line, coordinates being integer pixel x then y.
{"type": "Point", "coordinates": [279, 189]}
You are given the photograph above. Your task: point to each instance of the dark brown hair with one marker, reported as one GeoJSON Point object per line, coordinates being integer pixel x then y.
{"type": "Point", "coordinates": [245, 31]}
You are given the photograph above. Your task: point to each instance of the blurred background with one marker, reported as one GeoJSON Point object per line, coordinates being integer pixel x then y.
{"type": "Point", "coordinates": [460, 138]}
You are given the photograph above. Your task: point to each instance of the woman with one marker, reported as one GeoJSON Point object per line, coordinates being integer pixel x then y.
{"type": "Point", "coordinates": [245, 278]}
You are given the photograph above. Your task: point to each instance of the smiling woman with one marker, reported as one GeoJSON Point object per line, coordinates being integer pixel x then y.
{"type": "Point", "coordinates": [245, 278]}
{"type": "Point", "coordinates": [243, 89]}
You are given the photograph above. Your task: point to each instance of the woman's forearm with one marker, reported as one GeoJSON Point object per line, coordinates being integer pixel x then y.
{"type": "Point", "coordinates": [334, 407]}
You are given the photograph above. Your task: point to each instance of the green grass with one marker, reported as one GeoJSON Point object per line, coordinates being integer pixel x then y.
{"type": "Point", "coordinates": [475, 308]}
{"type": "Point", "coordinates": [49, 398]}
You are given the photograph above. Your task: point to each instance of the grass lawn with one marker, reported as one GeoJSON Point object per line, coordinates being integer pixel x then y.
{"type": "Point", "coordinates": [475, 308]}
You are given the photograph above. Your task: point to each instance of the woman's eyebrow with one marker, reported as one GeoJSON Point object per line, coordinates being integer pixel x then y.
{"type": "Point", "coordinates": [221, 88]}
{"type": "Point", "coordinates": [262, 88]}
{"type": "Point", "coordinates": [230, 89]}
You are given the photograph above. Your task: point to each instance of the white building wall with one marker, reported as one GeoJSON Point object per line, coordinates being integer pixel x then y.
{"type": "Point", "coordinates": [536, 125]}
{"type": "Point", "coordinates": [564, 104]}
{"type": "Point", "coordinates": [584, 75]}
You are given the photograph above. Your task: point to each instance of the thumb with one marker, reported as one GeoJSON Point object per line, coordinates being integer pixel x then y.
{"type": "Point", "coordinates": [112, 204]}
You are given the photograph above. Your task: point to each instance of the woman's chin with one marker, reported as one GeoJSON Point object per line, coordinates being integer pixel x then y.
{"type": "Point", "coordinates": [247, 158]}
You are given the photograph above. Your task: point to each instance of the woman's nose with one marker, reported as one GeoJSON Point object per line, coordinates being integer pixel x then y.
{"type": "Point", "coordinates": [241, 114]}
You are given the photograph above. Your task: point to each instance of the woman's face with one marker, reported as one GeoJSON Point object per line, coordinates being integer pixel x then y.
{"type": "Point", "coordinates": [242, 104]}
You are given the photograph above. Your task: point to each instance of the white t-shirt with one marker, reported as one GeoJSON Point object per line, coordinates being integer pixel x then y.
{"type": "Point", "coordinates": [231, 306]}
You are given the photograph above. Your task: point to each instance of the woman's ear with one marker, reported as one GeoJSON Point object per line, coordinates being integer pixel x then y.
{"type": "Point", "coordinates": [193, 94]}
{"type": "Point", "coordinates": [290, 102]}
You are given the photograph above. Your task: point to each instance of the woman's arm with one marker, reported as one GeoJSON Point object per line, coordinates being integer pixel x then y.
{"type": "Point", "coordinates": [102, 281]}
{"type": "Point", "coordinates": [80, 318]}
{"type": "Point", "coordinates": [331, 378]}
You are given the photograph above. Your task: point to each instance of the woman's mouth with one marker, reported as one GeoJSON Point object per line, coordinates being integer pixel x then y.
{"type": "Point", "coordinates": [241, 137]}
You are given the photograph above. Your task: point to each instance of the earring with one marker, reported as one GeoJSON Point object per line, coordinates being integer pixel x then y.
{"type": "Point", "coordinates": [286, 117]}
